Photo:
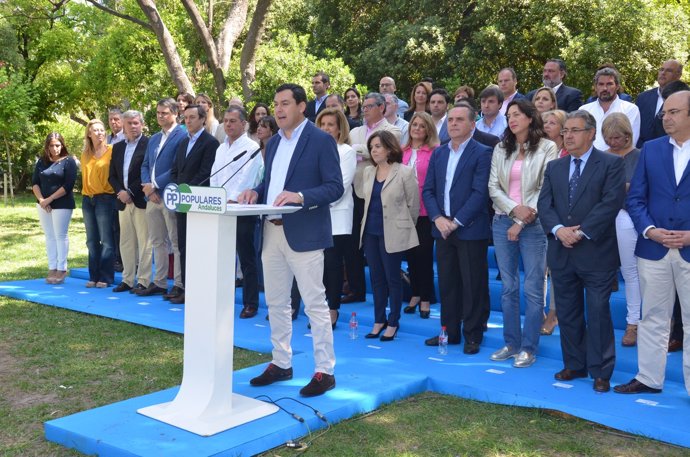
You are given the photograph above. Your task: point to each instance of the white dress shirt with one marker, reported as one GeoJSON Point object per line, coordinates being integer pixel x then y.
{"type": "Point", "coordinates": [281, 161]}
{"type": "Point", "coordinates": [247, 169]}
{"type": "Point", "coordinates": [618, 106]}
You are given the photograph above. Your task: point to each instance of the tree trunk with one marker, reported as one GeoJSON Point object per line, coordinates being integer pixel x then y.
{"type": "Point", "coordinates": [167, 44]}
{"type": "Point", "coordinates": [248, 58]}
{"type": "Point", "coordinates": [232, 28]}
{"type": "Point", "coordinates": [209, 46]}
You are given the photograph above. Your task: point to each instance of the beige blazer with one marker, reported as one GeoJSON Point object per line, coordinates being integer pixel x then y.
{"type": "Point", "coordinates": [400, 201]}
{"type": "Point", "coordinates": [358, 140]}
{"type": "Point", "coordinates": [531, 178]}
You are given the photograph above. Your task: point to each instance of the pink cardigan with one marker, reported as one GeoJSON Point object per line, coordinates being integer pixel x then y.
{"type": "Point", "coordinates": [422, 165]}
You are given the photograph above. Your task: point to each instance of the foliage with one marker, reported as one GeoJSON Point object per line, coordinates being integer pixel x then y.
{"type": "Point", "coordinates": [467, 42]}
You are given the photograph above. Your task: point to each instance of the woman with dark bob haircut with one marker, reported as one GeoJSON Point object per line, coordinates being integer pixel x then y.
{"type": "Point", "coordinates": [517, 174]}
{"type": "Point", "coordinates": [52, 184]}
{"type": "Point", "coordinates": [391, 207]}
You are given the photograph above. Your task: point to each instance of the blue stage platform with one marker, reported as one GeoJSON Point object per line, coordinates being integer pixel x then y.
{"type": "Point", "coordinates": [369, 373]}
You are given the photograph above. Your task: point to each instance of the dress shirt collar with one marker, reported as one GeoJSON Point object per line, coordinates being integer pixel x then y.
{"type": "Point", "coordinates": [193, 138]}
{"type": "Point", "coordinates": [295, 133]}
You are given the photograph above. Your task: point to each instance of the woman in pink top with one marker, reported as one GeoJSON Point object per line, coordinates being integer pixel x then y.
{"type": "Point", "coordinates": [517, 174]}
{"type": "Point", "coordinates": [416, 154]}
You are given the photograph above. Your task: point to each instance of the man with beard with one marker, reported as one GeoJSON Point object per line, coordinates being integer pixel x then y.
{"type": "Point", "coordinates": [568, 98]}
{"type": "Point", "coordinates": [607, 83]}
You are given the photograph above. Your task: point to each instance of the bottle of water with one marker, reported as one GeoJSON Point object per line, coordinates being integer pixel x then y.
{"type": "Point", "coordinates": [443, 342]}
{"type": "Point", "coordinates": [353, 326]}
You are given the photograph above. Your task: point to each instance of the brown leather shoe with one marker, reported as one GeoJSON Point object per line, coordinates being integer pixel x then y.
{"type": "Point", "coordinates": [271, 374]}
{"type": "Point", "coordinates": [675, 346]}
{"type": "Point", "coordinates": [248, 312]}
{"type": "Point", "coordinates": [635, 387]}
{"type": "Point", "coordinates": [630, 337]}
{"type": "Point", "coordinates": [566, 374]}
{"type": "Point", "coordinates": [602, 385]}
{"type": "Point", "coordinates": [319, 384]}
{"type": "Point", "coordinates": [178, 300]}
{"type": "Point", "coordinates": [174, 292]}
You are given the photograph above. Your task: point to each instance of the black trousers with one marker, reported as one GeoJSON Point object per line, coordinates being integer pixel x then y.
{"type": "Point", "coordinates": [182, 242]}
{"type": "Point", "coordinates": [463, 280]}
{"type": "Point", "coordinates": [246, 251]}
{"type": "Point", "coordinates": [420, 260]}
{"type": "Point", "coordinates": [587, 343]}
{"type": "Point", "coordinates": [333, 258]}
{"type": "Point", "coordinates": [354, 256]}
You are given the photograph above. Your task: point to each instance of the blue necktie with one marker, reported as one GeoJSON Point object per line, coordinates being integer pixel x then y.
{"type": "Point", "coordinates": [574, 179]}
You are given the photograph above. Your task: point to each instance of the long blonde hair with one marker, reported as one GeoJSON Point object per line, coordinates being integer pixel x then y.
{"type": "Point", "coordinates": [89, 148]}
{"type": "Point", "coordinates": [431, 135]}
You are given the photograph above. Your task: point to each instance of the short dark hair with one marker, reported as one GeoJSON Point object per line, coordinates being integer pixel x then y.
{"type": "Point", "coordinates": [608, 71]}
{"type": "Point", "coordinates": [200, 110]}
{"type": "Point", "coordinates": [169, 103]}
{"type": "Point", "coordinates": [440, 91]}
{"type": "Point", "coordinates": [509, 69]}
{"type": "Point", "coordinates": [390, 142]}
{"type": "Point", "coordinates": [298, 92]}
{"type": "Point", "coordinates": [673, 87]}
{"type": "Point", "coordinates": [341, 102]}
{"type": "Point", "coordinates": [492, 91]}
{"type": "Point", "coordinates": [324, 77]}
{"type": "Point", "coordinates": [237, 109]}
{"type": "Point", "coordinates": [561, 64]}
{"type": "Point", "coordinates": [465, 104]}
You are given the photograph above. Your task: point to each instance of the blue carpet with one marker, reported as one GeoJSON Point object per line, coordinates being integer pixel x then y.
{"type": "Point", "coordinates": [369, 373]}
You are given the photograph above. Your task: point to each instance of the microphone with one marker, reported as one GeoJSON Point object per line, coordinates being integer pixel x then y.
{"type": "Point", "coordinates": [237, 157]}
{"type": "Point", "coordinates": [251, 157]}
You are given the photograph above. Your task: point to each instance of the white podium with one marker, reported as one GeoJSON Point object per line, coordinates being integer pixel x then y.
{"type": "Point", "coordinates": [205, 404]}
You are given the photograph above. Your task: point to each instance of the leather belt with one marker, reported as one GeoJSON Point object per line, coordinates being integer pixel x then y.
{"type": "Point", "coordinates": [277, 222]}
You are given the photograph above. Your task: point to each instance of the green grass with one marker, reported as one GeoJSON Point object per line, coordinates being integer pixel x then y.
{"type": "Point", "coordinates": [55, 362]}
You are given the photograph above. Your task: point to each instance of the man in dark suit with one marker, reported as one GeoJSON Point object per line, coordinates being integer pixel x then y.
{"type": "Point", "coordinates": [568, 98]}
{"type": "Point", "coordinates": [579, 200]}
{"type": "Point", "coordinates": [320, 84]}
{"type": "Point", "coordinates": [650, 102]}
{"type": "Point", "coordinates": [302, 168]}
{"type": "Point", "coordinates": [155, 175]}
{"type": "Point", "coordinates": [125, 178]}
{"type": "Point", "coordinates": [659, 204]}
{"type": "Point", "coordinates": [438, 105]}
{"type": "Point", "coordinates": [507, 82]}
{"type": "Point", "coordinates": [195, 156]}
{"type": "Point", "coordinates": [456, 196]}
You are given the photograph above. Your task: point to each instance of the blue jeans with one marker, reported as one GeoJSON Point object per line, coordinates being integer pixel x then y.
{"type": "Point", "coordinates": [531, 246]}
{"type": "Point", "coordinates": [98, 222]}
{"type": "Point", "coordinates": [386, 284]}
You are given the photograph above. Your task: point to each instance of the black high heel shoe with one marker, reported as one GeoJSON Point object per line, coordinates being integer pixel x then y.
{"type": "Point", "coordinates": [373, 335]}
{"type": "Point", "coordinates": [385, 338]}
{"type": "Point", "coordinates": [410, 309]}
{"type": "Point", "coordinates": [424, 314]}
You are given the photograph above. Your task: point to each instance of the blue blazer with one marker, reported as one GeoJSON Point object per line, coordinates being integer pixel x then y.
{"type": "Point", "coordinates": [165, 158]}
{"type": "Point", "coordinates": [655, 199]}
{"type": "Point", "coordinates": [443, 134]}
{"type": "Point", "coordinates": [469, 192]}
{"type": "Point", "coordinates": [650, 126]}
{"type": "Point", "coordinates": [314, 170]}
{"type": "Point", "coordinates": [598, 198]}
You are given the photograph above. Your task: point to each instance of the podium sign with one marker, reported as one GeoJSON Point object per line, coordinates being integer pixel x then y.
{"type": "Point", "coordinates": [205, 403]}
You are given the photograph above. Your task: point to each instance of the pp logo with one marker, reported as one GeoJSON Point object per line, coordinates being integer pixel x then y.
{"type": "Point", "coordinates": [172, 197]}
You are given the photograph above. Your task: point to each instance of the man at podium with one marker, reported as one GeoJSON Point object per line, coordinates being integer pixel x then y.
{"type": "Point", "coordinates": [302, 168]}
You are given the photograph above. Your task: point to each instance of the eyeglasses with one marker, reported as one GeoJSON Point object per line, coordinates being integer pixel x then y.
{"type": "Point", "coordinates": [671, 112]}
{"type": "Point", "coordinates": [369, 106]}
{"type": "Point", "coordinates": [564, 132]}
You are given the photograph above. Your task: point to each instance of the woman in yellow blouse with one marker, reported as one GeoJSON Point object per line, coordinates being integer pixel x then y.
{"type": "Point", "coordinates": [98, 205]}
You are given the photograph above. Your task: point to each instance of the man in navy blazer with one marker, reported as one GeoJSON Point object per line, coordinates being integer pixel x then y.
{"type": "Point", "coordinates": [125, 179]}
{"type": "Point", "coordinates": [192, 165]}
{"type": "Point", "coordinates": [578, 204]}
{"type": "Point", "coordinates": [302, 168]}
{"type": "Point", "coordinates": [456, 196]}
{"type": "Point", "coordinates": [650, 102]}
{"type": "Point", "coordinates": [659, 205]}
{"type": "Point", "coordinates": [162, 223]}
{"type": "Point", "coordinates": [320, 84]}
{"type": "Point", "coordinates": [568, 98]}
